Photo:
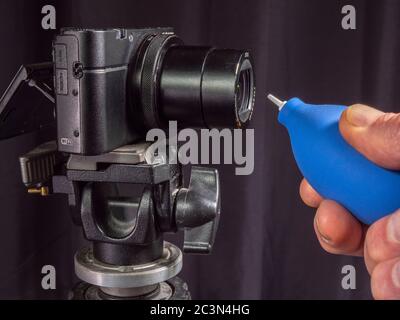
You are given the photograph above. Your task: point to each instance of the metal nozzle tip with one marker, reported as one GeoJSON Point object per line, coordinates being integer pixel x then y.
{"type": "Point", "coordinates": [276, 101]}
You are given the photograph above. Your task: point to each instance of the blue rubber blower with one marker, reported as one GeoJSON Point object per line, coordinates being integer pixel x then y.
{"type": "Point", "coordinates": [332, 166]}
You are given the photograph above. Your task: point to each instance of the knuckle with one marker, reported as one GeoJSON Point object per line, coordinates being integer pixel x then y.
{"type": "Point", "coordinates": [389, 127]}
{"type": "Point", "coordinates": [371, 245]}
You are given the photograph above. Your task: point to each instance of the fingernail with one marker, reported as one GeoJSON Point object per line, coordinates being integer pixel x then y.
{"type": "Point", "coordinates": [396, 275]}
{"type": "Point", "coordinates": [362, 116]}
{"type": "Point", "coordinates": [323, 237]}
{"type": "Point", "coordinates": [393, 227]}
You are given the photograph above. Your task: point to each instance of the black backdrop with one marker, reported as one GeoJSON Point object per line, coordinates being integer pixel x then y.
{"type": "Point", "coordinates": [266, 246]}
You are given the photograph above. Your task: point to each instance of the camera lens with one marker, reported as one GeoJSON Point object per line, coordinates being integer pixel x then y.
{"type": "Point", "coordinates": [207, 87]}
{"type": "Point", "coordinates": [196, 86]}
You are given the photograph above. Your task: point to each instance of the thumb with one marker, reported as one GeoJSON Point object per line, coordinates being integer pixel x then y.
{"type": "Point", "coordinates": [373, 133]}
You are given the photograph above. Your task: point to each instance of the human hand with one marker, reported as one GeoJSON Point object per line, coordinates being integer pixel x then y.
{"type": "Point", "coordinates": [377, 136]}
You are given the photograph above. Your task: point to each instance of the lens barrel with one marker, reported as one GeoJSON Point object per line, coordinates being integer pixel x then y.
{"type": "Point", "coordinates": [197, 86]}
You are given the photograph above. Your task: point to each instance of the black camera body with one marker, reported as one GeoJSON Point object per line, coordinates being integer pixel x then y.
{"type": "Point", "coordinates": [112, 85]}
{"type": "Point", "coordinates": [91, 70]}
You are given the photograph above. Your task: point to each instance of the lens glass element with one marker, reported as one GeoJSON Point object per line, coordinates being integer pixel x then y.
{"type": "Point", "coordinates": [245, 91]}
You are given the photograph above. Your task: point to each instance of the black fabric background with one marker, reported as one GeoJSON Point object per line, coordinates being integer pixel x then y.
{"type": "Point", "coordinates": [266, 246]}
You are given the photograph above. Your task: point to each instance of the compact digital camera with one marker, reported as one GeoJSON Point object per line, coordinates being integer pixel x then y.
{"type": "Point", "coordinates": [112, 85]}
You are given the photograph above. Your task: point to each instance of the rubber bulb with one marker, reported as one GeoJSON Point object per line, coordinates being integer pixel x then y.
{"type": "Point", "coordinates": [334, 168]}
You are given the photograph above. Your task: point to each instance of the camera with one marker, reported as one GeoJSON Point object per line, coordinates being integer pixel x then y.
{"type": "Point", "coordinates": [112, 85]}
